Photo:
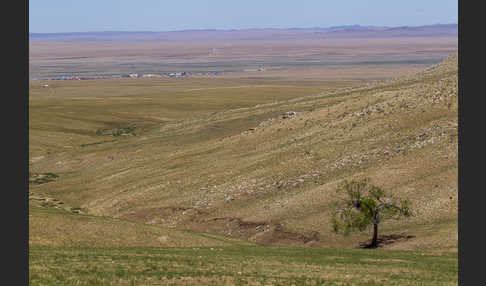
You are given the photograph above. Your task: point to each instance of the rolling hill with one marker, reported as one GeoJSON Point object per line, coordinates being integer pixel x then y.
{"type": "Point", "coordinates": [261, 174]}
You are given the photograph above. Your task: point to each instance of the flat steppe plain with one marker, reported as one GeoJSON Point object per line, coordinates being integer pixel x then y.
{"type": "Point", "coordinates": [123, 169]}
{"type": "Point", "coordinates": [55, 59]}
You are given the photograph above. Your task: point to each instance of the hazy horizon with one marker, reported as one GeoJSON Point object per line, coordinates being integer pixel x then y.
{"type": "Point", "coordinates": [242, 29]}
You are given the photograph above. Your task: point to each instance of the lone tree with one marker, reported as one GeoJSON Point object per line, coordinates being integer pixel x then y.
{"type": "Point", "coordinates": [361, 204]}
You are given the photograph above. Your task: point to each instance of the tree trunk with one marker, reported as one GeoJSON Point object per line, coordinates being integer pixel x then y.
{"type": "Point", "coordinates": [374, 242]}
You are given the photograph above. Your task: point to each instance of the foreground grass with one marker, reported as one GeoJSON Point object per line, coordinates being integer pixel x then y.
{"type": "Point", "coordinates": [237, 266]}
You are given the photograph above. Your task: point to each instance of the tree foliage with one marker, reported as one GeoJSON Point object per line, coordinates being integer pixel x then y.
{"type": "Point", "coordinates": [361, 205]}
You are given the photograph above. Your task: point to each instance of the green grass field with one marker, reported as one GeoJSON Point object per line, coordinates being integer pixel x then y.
{"type": "Point", "coordinates": [244, 265]}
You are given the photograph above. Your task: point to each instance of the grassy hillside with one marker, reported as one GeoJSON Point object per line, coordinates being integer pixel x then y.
{"type": "Point", "coordinates": [249, 168]}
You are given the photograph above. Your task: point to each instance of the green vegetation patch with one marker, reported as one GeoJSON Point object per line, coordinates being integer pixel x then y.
{"type": "Point", "coordinates": [128, 130]}
{"type": "Point", "coordinates": [37, 179]}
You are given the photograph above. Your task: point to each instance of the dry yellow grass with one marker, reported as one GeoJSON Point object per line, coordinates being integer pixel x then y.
{"type": "Point", "coordinates": [53, 227]}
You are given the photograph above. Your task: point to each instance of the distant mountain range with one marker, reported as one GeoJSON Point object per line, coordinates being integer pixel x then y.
{"type": "Point", "coordinates": [350, 31]}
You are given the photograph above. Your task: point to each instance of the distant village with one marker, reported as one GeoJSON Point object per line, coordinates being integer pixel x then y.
{"type": "Point", "coordinates": [132, 75]}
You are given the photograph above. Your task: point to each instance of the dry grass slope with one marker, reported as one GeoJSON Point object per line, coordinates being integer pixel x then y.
{"type": "Point", "coordinates": [263, 173]}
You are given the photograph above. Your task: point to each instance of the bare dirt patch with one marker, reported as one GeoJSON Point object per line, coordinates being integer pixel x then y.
{"type": "Point", "coordinates": [261, 232]}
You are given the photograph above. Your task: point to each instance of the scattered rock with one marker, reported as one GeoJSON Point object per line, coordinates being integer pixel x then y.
{"type": "Point", "coordinates": [289, 114]}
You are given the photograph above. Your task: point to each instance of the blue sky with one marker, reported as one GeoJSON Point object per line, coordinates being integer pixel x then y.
{"type": "Point", "coordinates": [49, 16]}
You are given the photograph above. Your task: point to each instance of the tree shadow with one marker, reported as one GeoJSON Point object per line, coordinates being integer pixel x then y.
{"type": "Point", "coordinates": [386, 240]}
